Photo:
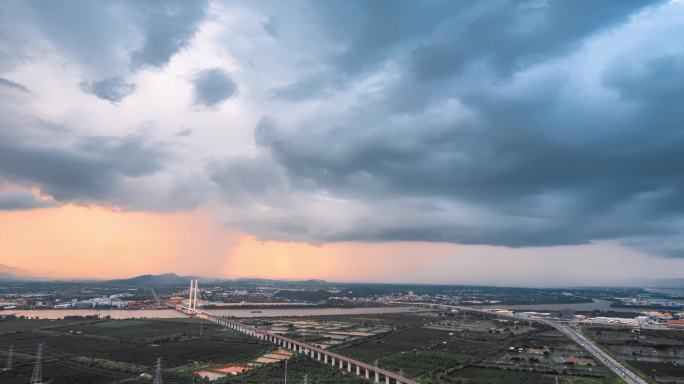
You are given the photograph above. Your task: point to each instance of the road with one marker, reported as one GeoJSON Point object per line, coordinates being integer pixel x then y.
{"type": "Point", "coordinates": [620, 370]}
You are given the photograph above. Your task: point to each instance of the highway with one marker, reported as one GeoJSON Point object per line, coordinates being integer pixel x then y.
{"type": "Point", "coordinates": [625, 374]}
{"type": "Point", "coordinates": [620, 370]}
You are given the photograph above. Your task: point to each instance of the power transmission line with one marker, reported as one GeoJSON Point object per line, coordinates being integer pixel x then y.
{"type": "Point", "coordinates": [37, 376]}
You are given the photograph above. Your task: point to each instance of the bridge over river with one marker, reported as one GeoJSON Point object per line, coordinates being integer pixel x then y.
{"type": "Point", "coordinates": [344, 363]}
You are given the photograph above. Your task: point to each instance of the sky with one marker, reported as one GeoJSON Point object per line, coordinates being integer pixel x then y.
{"type": "Point", "coordinates": [531, 142]}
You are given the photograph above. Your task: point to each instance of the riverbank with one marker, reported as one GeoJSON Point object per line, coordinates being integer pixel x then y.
{"type": "Point", "coordinates": [171, 314]}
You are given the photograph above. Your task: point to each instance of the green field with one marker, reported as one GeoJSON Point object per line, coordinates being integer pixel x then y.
{"type": "Point", "coordinates": [474, 375]}
{"type": "Point", "coordinates": [424, 354]}
{"type": "Point", "coordinates": [433, 356]}
{"type": "Point", "coordinates": [472, 350]}
{"type": "Point", "coordinates": [102, 351]}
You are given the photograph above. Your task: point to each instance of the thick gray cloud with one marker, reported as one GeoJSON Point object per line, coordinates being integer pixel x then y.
{"type": "Point", "coordinates": [442, 36]}
{"type": "Point", "coordinates": [510, 155]}
{"type": "Point", "coordinates": [213, 86]}
{"type": "Point", "coordinates": [439, 39]}
{"type": "Point", "coordinates": [515, 123]}
{"type": "Point", "coordinates": [90, 170]}
{"type": "Point", "coordinates": [526, 32]}
{"type": "Point", "coordinates": [169, 27]}
{"type": "Point", "coordinates": [22, 200]}
{"type": "Point", "coordinates": [113, 89]}
{"type": "Point", "coordinates": [108, 39]}
{"type": "Point", "coordinates": [514, 153]}
{"type": "Point", "coordinates": [130, 172]}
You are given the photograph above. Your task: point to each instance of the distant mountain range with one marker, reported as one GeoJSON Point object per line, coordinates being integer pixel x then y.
{"type": "Point", "coordinates": [168, 279]}
{"type": "Point", "coordinates": [8, 273]}
{"type": "Point", "coordinates": [152, 280]}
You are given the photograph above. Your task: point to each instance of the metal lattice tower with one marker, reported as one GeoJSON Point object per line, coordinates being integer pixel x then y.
{"type": "Point", "coordinates": [37, 376]}
{"type": "Point", "coordinates": [157, 372]}
{"type": "Point", "coordinates": [9, 357]}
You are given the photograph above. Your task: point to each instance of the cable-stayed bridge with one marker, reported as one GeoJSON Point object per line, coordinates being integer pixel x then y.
{"type": "Point", "coordinates": [344, 363]}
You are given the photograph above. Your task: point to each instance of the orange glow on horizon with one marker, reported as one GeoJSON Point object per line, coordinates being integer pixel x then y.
{"type": "Point", "coordinates": [94, 242]}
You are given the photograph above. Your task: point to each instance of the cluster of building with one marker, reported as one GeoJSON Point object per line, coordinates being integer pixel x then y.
{"type": "Point", "coordinates": [112, 301]}
{"type": "Point", "coordinates": [649, 302]}
{"type": "Point", "coordinates": [650, 318]}
{"type": "Point", "coordinates": [118, 300]}
{"type": "Point", "coordinates": [644, 319]}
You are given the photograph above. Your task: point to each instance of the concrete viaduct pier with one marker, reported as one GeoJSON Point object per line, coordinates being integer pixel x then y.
{"type": "Point", "coordinates": [344, 363]}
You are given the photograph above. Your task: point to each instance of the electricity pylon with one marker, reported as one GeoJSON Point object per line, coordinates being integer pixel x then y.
{"type": "Point", "coordinates": [157, 372]}
{"type": "Point", "coordinates": [9, 357]}
{"type": "Point", "coordinates": [286, 371]}
{"type": "Point", "coordinates": [37, 376]}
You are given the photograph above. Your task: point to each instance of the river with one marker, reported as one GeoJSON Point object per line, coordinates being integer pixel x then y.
{"type": "Point", "coordinates": [170, 313]}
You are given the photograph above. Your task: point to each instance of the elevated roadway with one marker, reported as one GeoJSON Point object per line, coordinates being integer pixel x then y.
{"type": "Point", "coordinates": [344, 363]}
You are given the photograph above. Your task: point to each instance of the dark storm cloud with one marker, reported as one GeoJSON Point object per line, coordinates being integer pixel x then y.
{"type": "Point", "coordinates": [515, 123]}
{"type": "Point", "coordinates": [443, 36]}
{"type": "Point", "coordinates": [540, 163]}
{"type": "Point", "coordinates": [380, 26]}
{"type": "Point", "coordinates": [515, 158]}
{"type": "Point", "coordinates": [516, 34]}
{"type": "Point", "coordinates": [112, 89]}
{"type": "Point", "coordinates": [213, 86]}
{"type": "Point", "coordinates": [11, 84]}
{"type": "Point", "coordinates": [22, 200]}
{"type": "Point", "coordinates": [91, 170]}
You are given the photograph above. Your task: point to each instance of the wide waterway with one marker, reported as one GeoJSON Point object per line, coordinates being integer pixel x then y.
{"type": "Point", "coordinates": [170, 313]}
